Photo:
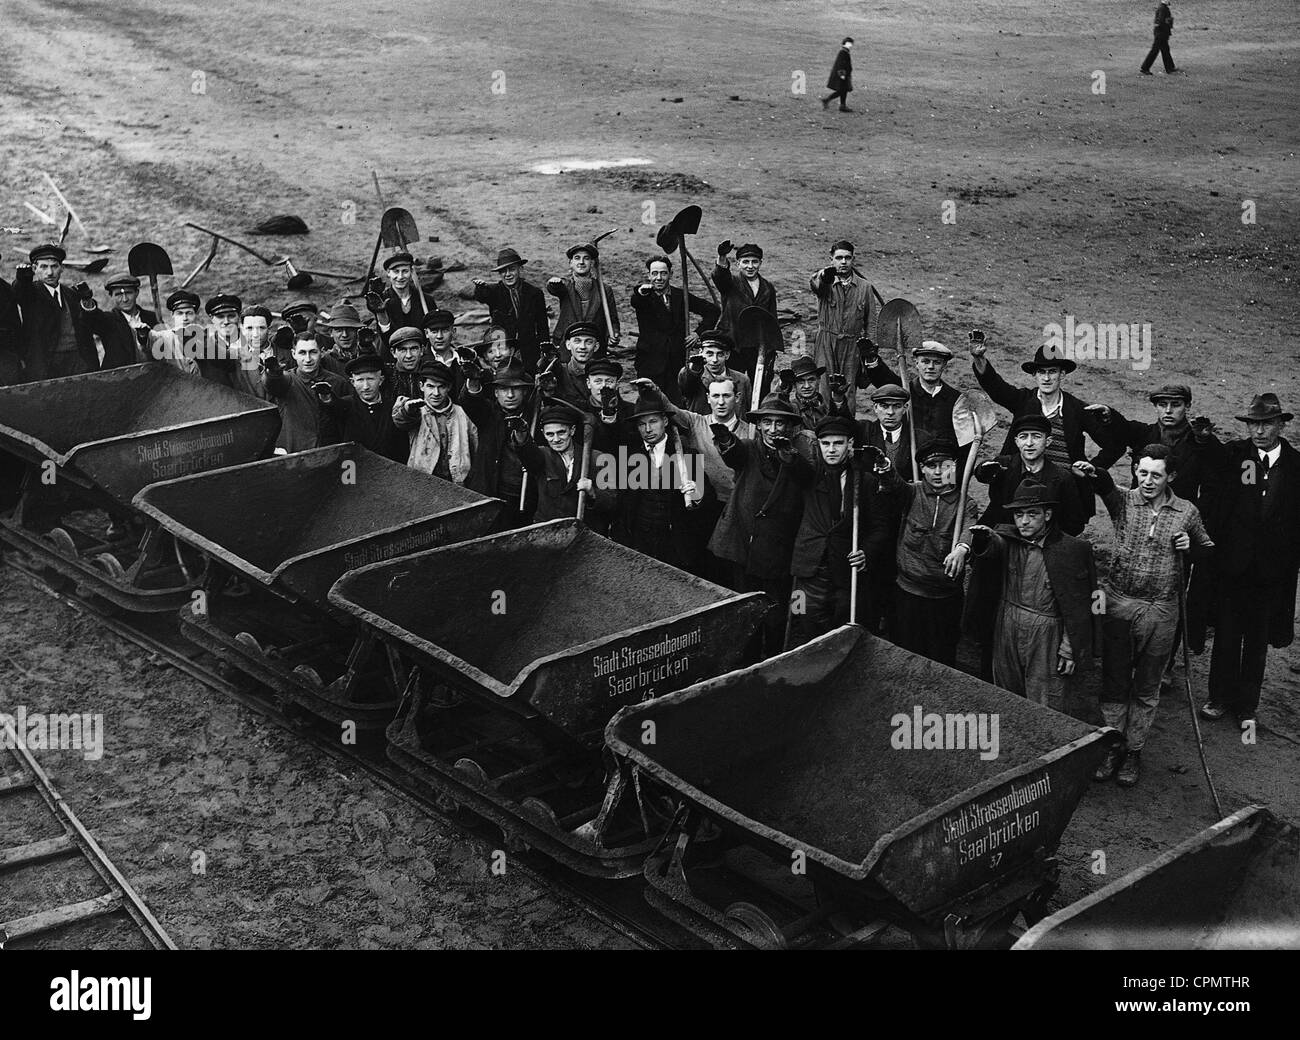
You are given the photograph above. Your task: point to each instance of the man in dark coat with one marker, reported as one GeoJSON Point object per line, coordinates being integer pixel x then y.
{"type": "Point", "coordinates": [933, 398]}
{"type": "Point", "coordinates": [124, 328]}
{"type": "Point", "coordinates": [298, 392]}
{"type": "Point", "coordinates": [579, 295]}
{"type": "Point", "coordinates": [1004, 474]}
{"type": "Point", "coordinates": [757, 529]}
{"type": "Point", "coordinates": [751, 289]}
{"type": "Point", "coordinates": [56, 338]}
{"type": "Point", "coordinates": [661, 342]}
{"type": "Point", "coordinates": [399, 306]}
{"type": "Point", "coordinates": [554, 461]}
{"type": "Point", "coordinates": [840, 82]}
{"type": "Point", "coordinates": [515, 305]}
{"type": "Point", "coordinates": [496, 468]}
{"type": "Point", "coordinates": [366, 416]}
{"type": "Point", "coordinates": [1254, 517]}
{"type": "Point", "coordinates": [1164, 28]}
{"type": "Point", "coordinates": [1031, 596]}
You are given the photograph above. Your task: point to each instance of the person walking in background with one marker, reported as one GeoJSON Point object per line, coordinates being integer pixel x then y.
{"type": "Point", "coordinates": [1164, 28]}
{"type": "Point", "coordinates": [840, 81]}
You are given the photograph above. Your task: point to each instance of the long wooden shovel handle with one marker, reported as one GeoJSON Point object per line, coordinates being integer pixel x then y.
{"type": "Point", "coordinates": [857, 523]}
{"type": "Point", "coordinates": [604, 306]}
{"type": "Point", "coordinates": [682, 475]}
{"type": "Point", "coordinates": [157, 301]}
{"type": "Point", "coordinates": [965, 479]}
{"type": "Point", "coordinates": [584, 470]}
{"type": "Point", "coordinates": [757, 393]}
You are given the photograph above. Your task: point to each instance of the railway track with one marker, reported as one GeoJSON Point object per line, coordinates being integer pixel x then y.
{"type": "Point", "coordinates": [617, 905]}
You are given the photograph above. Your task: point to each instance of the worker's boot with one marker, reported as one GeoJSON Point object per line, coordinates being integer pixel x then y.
{"type": "Point", "coordinates": [1109, 764]}
{"type": "Point", "coordinates": [1130, 770]}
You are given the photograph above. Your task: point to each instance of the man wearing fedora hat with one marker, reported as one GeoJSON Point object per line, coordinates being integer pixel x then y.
{"type": "Point", "coordinates": [658, 496]}
{"type": "Point", "coordinates": [706, 366]}
{"type": "Point", "coordinates": [1070, 417]}
{"type": "Point", "coordinates": [366, 415]}
{"type": "Point", "coordinates": [398, 306]}
{"type": "Point", "coordinates": [1141, 598]}
{"type": "Point", "coordinates": [1254, 516]}
{"type": "Point", "coordinates": [751, 289]}
{"type": "Point", "coordinates": [757, 529]}
{"type": "Point", "coordinates": [801, 385]}
{"type": "Point", "coordinates": [55, 336]}
{"type": "Point", "coordinates": [442, 440]}
{"type": "Point", "coordinates": [516, 305]}
{"type": "Point", "coordinates": [124, 328]}
{"type": "Point", "coordinates": [661, 342]}
{"type": "Point", "coordinates": [579, 296]}
{"type": "Point", "coordinates": [1031, 596]}
{"type": "Point", "coordinates": [823, 557]}
{"type": "Point", "coordinates": [497, 470]}
{"type": "Point", "coordinates": [344, 326]}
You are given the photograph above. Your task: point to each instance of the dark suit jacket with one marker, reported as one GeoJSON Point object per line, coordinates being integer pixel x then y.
{"type": "Point", "coordinates": [397, 319]}
{"type": "Point", "coordinates": [11, 347]}
{"type": "Point", "coordinates": [1257, 543]}
{"type": "Point", "coordinates": [761, 518]}
{"type": "Point", "coordinates": [41, 324]}
{"type": "Point", "coordinates": [932, 415]}
{"type": "Point", "coordinates": [661, 337]}
{"type": "Point", "coordinates": [1069, 514]}
{"type": "Point", "coordinates": [121, 344]}
{"type": "Point", "coordinates": [491, 453]}
{"type": "Point", "coordinates": [1194, 462]}
{"type": "Point", "coordinates": [826, 528]}
{"type": "Point", "coordinates": [528, 326]}
{"type": "Point", "coordinates": [1072, 572]}
{"type": "Point", "coordinates": [736, 296]}
{"type": "Point", "coordinates": [354, 420]}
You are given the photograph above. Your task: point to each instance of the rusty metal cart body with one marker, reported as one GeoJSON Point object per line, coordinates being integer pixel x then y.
{"type": "Point", "coordinates": [278, 533]}
{"type": "Point", "coordinates": [817, 809]}
{"type": "Point", "coordinates": [1234, 886]}
{"type": "Point", "coordinates": [527, 642]}
{"type": "Point", "coordinates": [89, 443]}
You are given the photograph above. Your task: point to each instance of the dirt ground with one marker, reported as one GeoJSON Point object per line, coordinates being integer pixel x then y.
{"type": "Point", "coordinates": [1123, 206]}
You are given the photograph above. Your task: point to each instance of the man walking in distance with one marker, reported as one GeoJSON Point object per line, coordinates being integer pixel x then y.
{"type": "Point", "coordinates": [1164, 28]}
{"type": "Point", "coordinates": [516, 305]}
{"type": "Point", "coordinates": [839, 83]}
{"type": "Point", "coordinates": [1254, 516]}
{"type": "Point", "coordinates": [845, 309]}
{"type": "Point", "coordinates": [1031, 591]}
{"type": "Point", "coordinates": [579, 295]}
{"type": "Point", "coordinates": [661, 343]}
{"type": "Point", "coordinates": [1140, 597]}
{"type": "Point", "coordinates": [751, 289]}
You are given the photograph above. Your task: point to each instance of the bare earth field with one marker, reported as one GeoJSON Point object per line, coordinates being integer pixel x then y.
{"type": "Point", "coordinates": [1123, 206]}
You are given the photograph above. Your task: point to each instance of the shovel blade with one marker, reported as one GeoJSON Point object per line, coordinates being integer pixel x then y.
{"type": "Point", "coordinates": [148, 259]}
{"type": "Point", "coordinates": [898, 329]}
{"type": "Point", "coordinates": [973, 415]}
{"type": "Point", "coordinates": [758, 334]}
{"type": "Point", "coordinates": [687, 222]}
{"type": "Point", "coordinates": [397, 228]}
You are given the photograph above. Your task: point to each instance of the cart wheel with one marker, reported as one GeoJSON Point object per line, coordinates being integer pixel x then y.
{"type": "Point", "coordinates": [249, 642]}
{"type": "Point", "coordinates": [63, 542]}
{"type": "Point", "coordinates": [539, 808]}
{"type": "Point", "coordinates": [111, 566]}
{"type": "Point", "coordinates": [754, 926]}
{"type": "Point", "coordinates": [309, 676]}
{"type": "Point", "coordinates": [467, 767]}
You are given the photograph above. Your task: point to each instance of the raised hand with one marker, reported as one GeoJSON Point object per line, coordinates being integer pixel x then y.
{"type": "Point", "coordinates": [724, 247]}
{"type": "Point", "coordinates": [374, 303]}
{"type": "Point", "coordinates": [868, 352]}
{"type": "Point", "coordinates": [1084, 469]}
{"type": "Point", "coordinates": [1101, 410]}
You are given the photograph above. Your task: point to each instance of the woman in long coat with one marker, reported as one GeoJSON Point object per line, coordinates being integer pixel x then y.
{"type": "Point", "coordinates": [840, 81]}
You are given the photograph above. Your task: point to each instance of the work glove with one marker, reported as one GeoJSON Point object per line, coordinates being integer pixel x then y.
{"type": "Point", "coordinates": [868, 352]}
{"type": "Point", "coordinates": [839, 384]}
{"type": "Point", "coordinates": [724, 247]}
{"type": "Point", "coordinates": [609, 401]}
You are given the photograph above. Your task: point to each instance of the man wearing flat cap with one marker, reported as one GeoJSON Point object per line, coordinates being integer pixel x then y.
{"type": "Point", "coordinates": [710, 364]}
{"type": "Point", "coordinates": [1030, 434]}
{"type": "Point", "coordinates": [823, 557]}
{"type": "Point", "coordinates": [366, 415]}
{"type": "Point", "coordinates": [661, 341]}
{"type": "Point", "coordinates": [933, 398]}
{"type": "Point", "coordinates": [407, 348]}
{"type": "Point", "coordinates": [55, 336]}
{"type": "Point", "coordinates": [757, 529]}
{"type": "Point", "coordinates": [1031, 597]}
{"type": "Point", "coordinates": [398, 306]}
{"type": "Point", "coordinates": [750, 289]}
{"type": "Point", "coordinates": [846, 312]}
{"type": "Point", "coordinates": [1254, 516]}
{"type": "Point", "coordinates": [516, 305]}
{"type": "Point", "coordinates": [304, 316]}
{"type": "Point", "coordinates": [182, 342]}
{"type": "Point", "coordinates": [555, 463]}
{"type": "Point", "coordinates": [889, 433]}
{"type": "Point", "coordinates": [442, 440]}
{"type": "Point", "coordinates": [124, 328]}
{"type": "Point", "coordinates": [218, 358]}
{"type": "Point", "coordinates": [584, 342]}
{"type": "Point", "coordinates": [496, 405]}
{"type": "Point", "coordinates": [579, 293]}
{"type": "Point", "coordinates": [440, 337]}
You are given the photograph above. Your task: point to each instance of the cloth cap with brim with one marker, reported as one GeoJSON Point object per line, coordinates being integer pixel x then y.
{"type": "Point", "coordinates": [649, 402]}
{"type": "Point", "coordinates": [47, 251]}
{"type": "Point", "coordinates": [1263, 408]}
{"type": "Point", "coordinates": [512, 375]}
{"type": "Point", "coordinates": [436, 371]}
{"type": "Point", "coordinates": [1171, 392]}
{"type": "Point", "coordinates": [834, 424]}
{"type": "Point", "coordinates": [749, 249]}
{"type": "Point", "coordinates": [586, 247]}
{"type": "Point", "coordinates": [508, 258]}
{"type": "Point", "coordinates": [123, 281]}
{"type": "Point", "coordinates": [1045, 359]}
{"type": "Point", "coordinates": [223, 303]}
{"type": "Point", "coordinates": [300, 307]}
{"type": "Point", "coordinates": [603, 367]}
{"type": "Point", "coordinates": [364, 363]}
{"type": "Point", "coordinates": [776, 407]}
{"type": "Point", "coordinates": [399, 258]}
{"type": "Point", "coordinates": [406, 334]}
{"type": "Point", "coordinates": [718, 339]}
{"type": "Point", "coordinates": [584, 328]}
{"type": "Point", "coordinates": [890, 392]}
{"type": "Point", "coordinates": [439, 319]}
{"type": "Point", "coordinates": [345, 316]}
{"type": "Point", "coordinates": [937, 448]}
{"type": "Point", "coordinates": [806, 366]}
{"type": "Point", "coordinates": [933, 348]}
{"type": "Point", "coordinates": [1030, 493]}
{"type": "Point", "coordinates": [1039, 423]}
{"type": "Point", "coordinates": [559, 412]}
{"type": "Point", "coordinates": [182, 298]}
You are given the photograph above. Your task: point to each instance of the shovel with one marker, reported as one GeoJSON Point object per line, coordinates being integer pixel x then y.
{"type": "Point", "coordinates": [600, 288]}
{"type": "Point", "coordinates": [152, 260]}
{"type": "Point", "coordinates": [973, 416]}
{"type": "Point", "coordinates": [758, 333]}
{"type": "Point", "coordinates": [900, 331]}
{"type": "Point", "coordinates": [672, 236]}
{"type": "Point", "coordinates": [856, 462]}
